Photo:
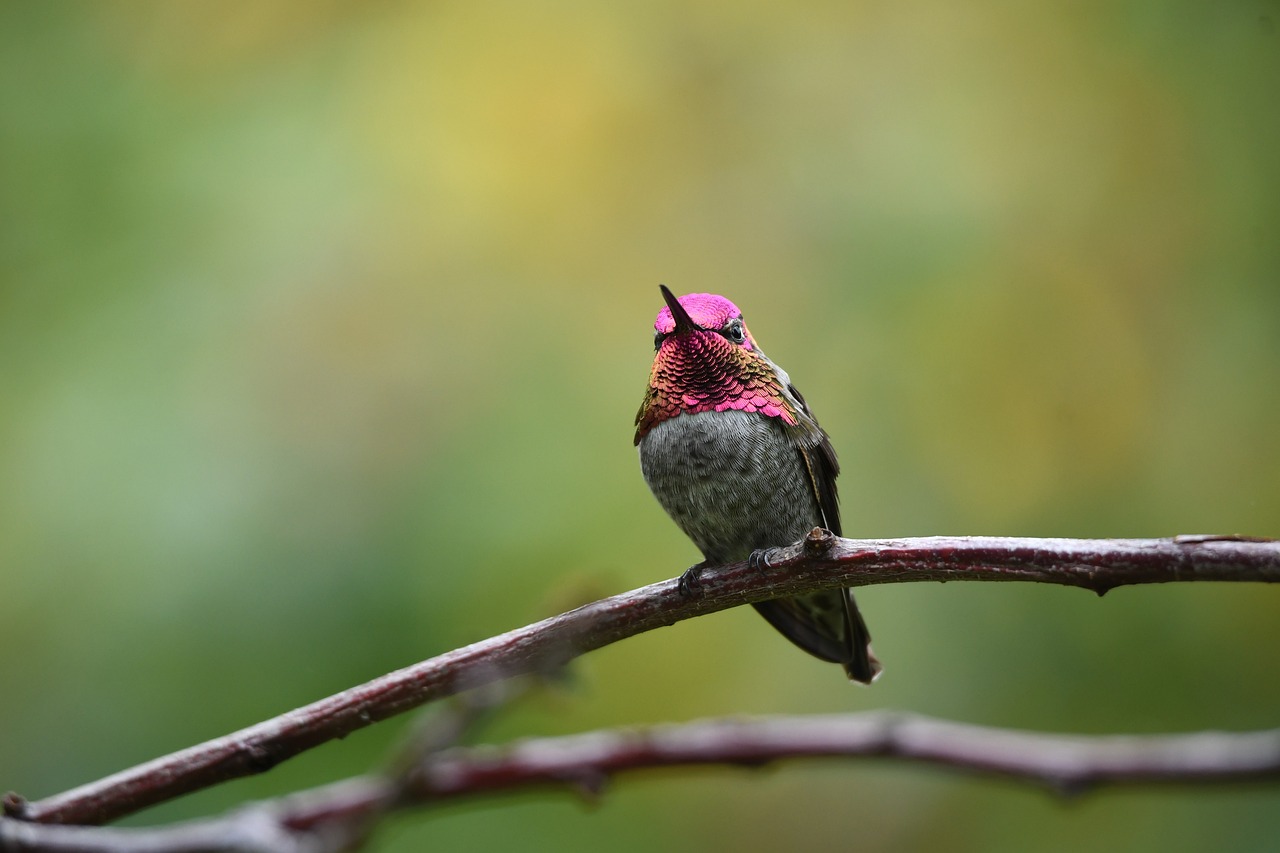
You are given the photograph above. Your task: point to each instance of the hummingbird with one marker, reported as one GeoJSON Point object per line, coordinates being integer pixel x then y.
{"type": "Point", "coordinates": [731, 451]}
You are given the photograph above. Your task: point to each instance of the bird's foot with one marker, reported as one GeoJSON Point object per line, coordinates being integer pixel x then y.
{"type": "Point", "coordinates": [758, 559]}
{"type": "Point", "coordinates": [690, 583]}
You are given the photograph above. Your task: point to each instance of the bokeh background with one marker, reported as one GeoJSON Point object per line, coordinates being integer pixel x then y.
{"type": "Point", "coordinates": [323, 325]}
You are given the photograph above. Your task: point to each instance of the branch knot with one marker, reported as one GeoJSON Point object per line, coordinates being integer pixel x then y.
{"type": "Point", "coordinates": [818, 542]}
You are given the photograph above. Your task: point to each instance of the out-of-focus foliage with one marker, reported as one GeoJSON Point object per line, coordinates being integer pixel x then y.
{"type": "Point", "coordinates": [322, 327]}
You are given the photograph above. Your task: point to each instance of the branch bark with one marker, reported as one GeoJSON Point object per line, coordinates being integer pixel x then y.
{"type": "Point", "coordinates": [821, 561]}
{"type": "Point", "coordinates": [1066, 764]}
{"type": "Point", "coordinates": [331, 817]}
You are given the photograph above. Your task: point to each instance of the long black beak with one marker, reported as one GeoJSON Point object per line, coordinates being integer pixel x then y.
{"type": "Point", "coordinates": [684, 323]}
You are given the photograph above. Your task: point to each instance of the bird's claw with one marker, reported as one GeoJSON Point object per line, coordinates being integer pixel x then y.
{"type": "Point", "coordinates": [690, 583]}
{"type": "Point", "coordinates": [758, 560]}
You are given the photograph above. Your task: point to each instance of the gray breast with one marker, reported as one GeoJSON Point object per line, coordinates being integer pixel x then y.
{"type": "Point", "coordinates": [732, 480]}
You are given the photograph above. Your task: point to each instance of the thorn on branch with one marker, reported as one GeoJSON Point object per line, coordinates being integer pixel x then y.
{"type": "Point", "coordinates": [1070, 788]}
{"type": "Point", "coordinates": [589, 785]}
{"type": "Point", "coordinates": [259, 757]}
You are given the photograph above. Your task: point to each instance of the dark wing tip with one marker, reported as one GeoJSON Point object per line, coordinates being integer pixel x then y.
{"type": "Point", "coordinates": [842, 639]}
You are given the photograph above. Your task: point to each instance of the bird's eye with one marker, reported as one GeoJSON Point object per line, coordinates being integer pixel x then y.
{"type": "Point", "coordinates": [658, 338]}
{"type": "Point", "coordinates": [735, 331]}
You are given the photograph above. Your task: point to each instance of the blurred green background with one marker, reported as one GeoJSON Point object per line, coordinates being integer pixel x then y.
{"type": "Point", "coordinates": [323, 327]}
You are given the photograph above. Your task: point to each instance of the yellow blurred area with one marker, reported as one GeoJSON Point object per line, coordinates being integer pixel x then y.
{"type": "Point", "coordinates": [323, 327]}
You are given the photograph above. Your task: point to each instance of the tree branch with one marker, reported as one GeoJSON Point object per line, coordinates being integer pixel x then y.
{"type": "Point", "coordinates": [821, 561]}
{"type": "Point", "coordinates": [328, 818]}
{"type": "Point", "coordinates": [1067, 764]}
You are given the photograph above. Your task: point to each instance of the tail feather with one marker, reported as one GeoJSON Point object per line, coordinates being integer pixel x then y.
{"type": "Point", "coordinates": [828, 626]}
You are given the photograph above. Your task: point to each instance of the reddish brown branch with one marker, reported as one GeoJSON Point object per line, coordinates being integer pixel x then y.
{"type": "Point", "coordinates": [821, 561]}
{"type": "Point", "coordinates": [1064, 763]}
{"type": "Point", "coordinates": [325, 818]}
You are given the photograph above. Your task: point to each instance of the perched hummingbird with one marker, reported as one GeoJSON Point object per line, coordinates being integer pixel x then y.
{"type": "Point", "coordinates": [730, 450]}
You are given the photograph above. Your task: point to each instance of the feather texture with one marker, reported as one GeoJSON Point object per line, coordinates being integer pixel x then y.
{"type": "Point", "coordinates": [734, 455]}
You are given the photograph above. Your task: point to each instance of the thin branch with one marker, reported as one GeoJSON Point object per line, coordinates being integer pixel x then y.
{"type": "Point", "coordinates": [321, 820]}
{"type": "Point", "coordinates": [1069, 764]}
{"type": "Point", "coordinates": [820, 561]}
{"type": "Point", "coordinates": [250, 830]}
